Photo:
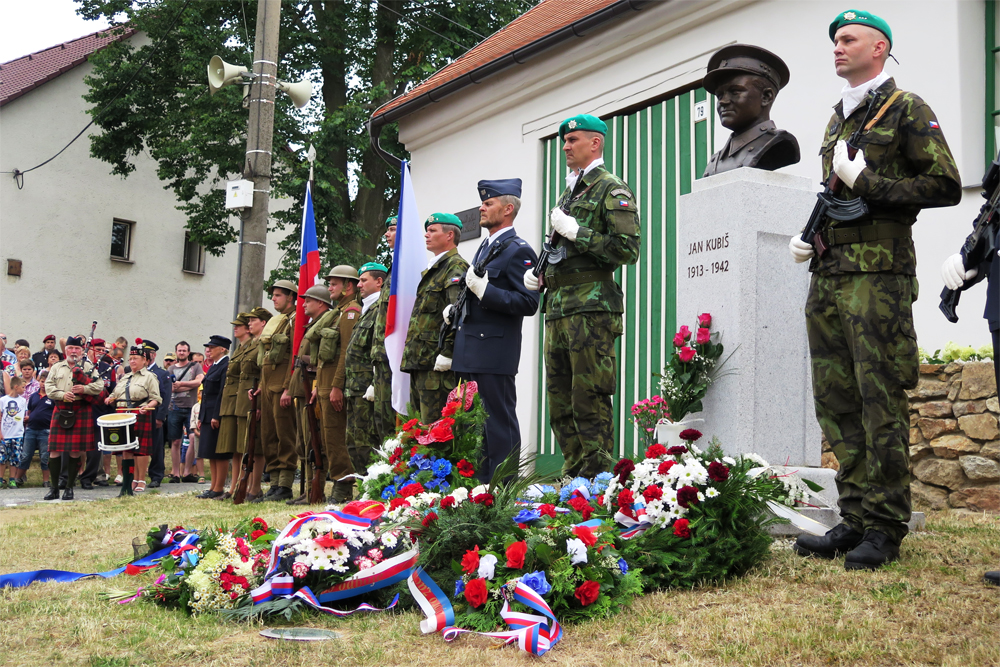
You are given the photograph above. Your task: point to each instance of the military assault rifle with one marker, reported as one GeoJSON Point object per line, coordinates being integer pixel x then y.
{"type": "Point", "coordinates": [317, 488]}
{"type": "Point", "coordinates": [552, 252]}
{"type": "Point", "coordinates": [246, 466]}
{"type": "Point", "coordinates": [828, 205]}
{"type": "Point", "coordinates": [458, 311]}
{"type": "Point", "coordinates": [982, 241]}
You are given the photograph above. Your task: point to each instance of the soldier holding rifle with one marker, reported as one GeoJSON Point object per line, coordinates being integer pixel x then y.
{"type": "Point", "coordinates": [859, 315]}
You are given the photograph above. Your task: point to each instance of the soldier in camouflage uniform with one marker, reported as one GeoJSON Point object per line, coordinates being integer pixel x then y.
{"type": "Point", "coordinates": [359, 395]}
{"type": "Point", "coordinates": [859, 310]}
{"type": "Point", "coordinates": [597, 224]}
{"type": "Point", "coordinates": [429, 365]}
{"type": "Point", "coordinates": [385, 415]}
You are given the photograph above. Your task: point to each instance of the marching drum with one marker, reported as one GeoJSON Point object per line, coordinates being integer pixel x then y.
{"type": "Point", "coordinates": [118, 432]}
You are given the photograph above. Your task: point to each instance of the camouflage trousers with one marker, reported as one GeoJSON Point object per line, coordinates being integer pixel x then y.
{"type": "Point", "coordinates": [581, 377]}
{"type": "Point", "coordinates": [429, 392]}
{"type": "Point", "coordinates": [385, 416]}
{"type": "Point", "coordinates": [864, 356]}
{"type": "Point", "coordinates": [361, 435]}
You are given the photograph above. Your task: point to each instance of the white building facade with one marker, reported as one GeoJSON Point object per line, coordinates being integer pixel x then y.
{"type": "Point", "coordinates": [495, 113]}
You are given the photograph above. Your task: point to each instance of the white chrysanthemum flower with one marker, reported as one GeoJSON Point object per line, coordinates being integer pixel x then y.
{"type": "Point", "coordinates": [729, 460]}
{"type": "Point", "coordinates": [711, 492]}
{"type": "Point", "coordinates": [389, 539]}
{"type": "Point", "coordinates": [460, 494]}
{"type": "Point", "coordinates": [754, 458]}
{"type": "Point", "coordinates": [577, 551]}
{"type": "Point", "coordinates": [375, 470]}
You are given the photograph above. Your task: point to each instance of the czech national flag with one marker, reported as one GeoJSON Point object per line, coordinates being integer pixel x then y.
{"type": "Point", "coordinates": [409, 259]}
{"type": "Point", "coordinates": [308, 267]}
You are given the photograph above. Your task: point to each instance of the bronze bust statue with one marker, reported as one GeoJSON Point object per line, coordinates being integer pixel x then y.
{"type": "Point", "coordinates": [745, 80]}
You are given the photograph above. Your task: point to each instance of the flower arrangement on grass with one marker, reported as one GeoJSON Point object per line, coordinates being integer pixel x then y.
{"type": "Point", "coordinates": [693, 367]}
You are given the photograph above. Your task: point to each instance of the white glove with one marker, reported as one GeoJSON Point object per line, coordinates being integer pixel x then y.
{"type": "Point", "coordinates": [370, 394]}
{"type": "Point", "coordinates": [442, 364]}
{"type": "Point", "coordinates": [801, 251]}
{"type": "Point", "coordinates": [531, 281]}
{"type": "Point", "coordinates": [846, 168]}
{"type": "Point", "coordinates": [954, 273]}
{"type": "Point", "coordinates": [446, 313]}
{"type": "Point", "coordinates": [476, 283]}
{"type": "Point", "coordinates": [567, 226]}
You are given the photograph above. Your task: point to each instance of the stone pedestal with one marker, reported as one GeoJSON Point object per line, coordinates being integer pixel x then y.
{"type": "Point", "coordinates": [733, 262]}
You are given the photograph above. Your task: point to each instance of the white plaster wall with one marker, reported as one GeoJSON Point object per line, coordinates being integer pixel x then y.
{"type": "Point", "coordinates": [59, 225]}
{"type": "Point", "coordinates": [493, 129]}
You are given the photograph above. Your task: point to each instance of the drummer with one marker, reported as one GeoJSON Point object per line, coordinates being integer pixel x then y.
{"type": "Point", "coordinates": [137, 392]}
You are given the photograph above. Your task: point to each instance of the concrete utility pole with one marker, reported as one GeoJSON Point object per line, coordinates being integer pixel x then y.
{"type": "Point", "coordinates": [257, 165]}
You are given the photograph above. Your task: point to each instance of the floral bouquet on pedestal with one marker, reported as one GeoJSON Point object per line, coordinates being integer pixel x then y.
{"type": "Point", "coordinates": [692, 368]}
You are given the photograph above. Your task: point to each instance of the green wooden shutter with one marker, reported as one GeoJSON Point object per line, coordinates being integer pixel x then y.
{"type": "Point", "coordinates": [658, 151]}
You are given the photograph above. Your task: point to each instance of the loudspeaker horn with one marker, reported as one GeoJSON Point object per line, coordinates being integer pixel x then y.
{"type": "Point", "coordinates": [221, 73]}
{"type": "Point", "coordinates": [299, 92]}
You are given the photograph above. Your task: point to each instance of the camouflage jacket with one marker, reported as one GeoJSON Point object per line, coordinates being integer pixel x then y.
{"type": "Point", "coordinates": [358, 361]}
{"type": "Point", "coordinates": [609, 237]}
{"type": "Point", "coordinates": [438, 287]}
{"type": "Point", "coordinates": [378, 355]}
{"type": "Point", "coordinates": [909, 168]}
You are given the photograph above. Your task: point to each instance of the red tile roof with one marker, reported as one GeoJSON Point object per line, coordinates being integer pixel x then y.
{"type": "Point", "coordinates": [546, 18]}
{"type": "Point", "coordinates": [24, 74]}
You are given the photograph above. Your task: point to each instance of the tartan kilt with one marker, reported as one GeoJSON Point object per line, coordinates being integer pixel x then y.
{"type": "Point", "coordinates": [80, 439]}
{"type": "Point", "coordinates": [144, 432]}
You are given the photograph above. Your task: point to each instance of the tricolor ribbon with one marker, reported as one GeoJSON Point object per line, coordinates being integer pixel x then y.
{"type": "Point", "coordinates": [632, 527]}
{"type": "Point", "coordinates": [534, 633]}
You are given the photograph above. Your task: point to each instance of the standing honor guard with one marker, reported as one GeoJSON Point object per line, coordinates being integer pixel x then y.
{"type": "Point", "coordinates": [249, 380]}
{"type": "Point", "coordinates": [137, 392]}
{"type": "Point", "coordinates": [425, 358]}
{"type": "Point", "coordinates": [595, 230]}
{"type": "Point", "coordinates": [74, 386]}
{"type": "Point", "coordinates": [229, 435]}
{"type": "Point", "coordinates": [277, 427]}
{"type": "Point", "coordinates": [859, 312]}
{"type": "Point", "coordinates": [381, 390]}
{"type": "Point", "coordinates": [359, 396]}
{"type": "Point", "coordinates": [210, 417]}
{"type": "Point", "coordinates": [488, 340]}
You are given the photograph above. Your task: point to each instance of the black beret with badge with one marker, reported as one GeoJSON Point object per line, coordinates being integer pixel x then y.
{"type": "Point", "coordinates": [744, 59]}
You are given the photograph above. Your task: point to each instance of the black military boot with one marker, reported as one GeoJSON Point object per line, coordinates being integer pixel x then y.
{"type": "Point", "coordinates": [992, 577]}
{"type": "Point", "coordinates": [838, 541]}
{"type": "Point", "coordinates": [128, 476]}
{"type": "Point", "coordinates": [874, 551]}
{"type": "Point", "coordinates": [74, 467]}
{"type": "Point", "coordinates": [281, 493]}
{"type": "Point", "coordinates": [55, 467]}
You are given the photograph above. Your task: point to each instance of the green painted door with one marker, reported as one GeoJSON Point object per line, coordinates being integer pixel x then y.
{"type": "Point", "coordinates": [657, 150]}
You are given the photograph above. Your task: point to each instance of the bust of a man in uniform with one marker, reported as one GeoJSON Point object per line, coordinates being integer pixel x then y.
{"type": "Point", "coordinates": [745, 80]}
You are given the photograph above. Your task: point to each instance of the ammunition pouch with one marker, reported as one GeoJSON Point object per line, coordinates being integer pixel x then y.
{"type": "Point", "coordinates": [329, 345]}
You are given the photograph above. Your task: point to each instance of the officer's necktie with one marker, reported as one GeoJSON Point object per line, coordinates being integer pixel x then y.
{"type": "Point", "coordinates": [482, 251]}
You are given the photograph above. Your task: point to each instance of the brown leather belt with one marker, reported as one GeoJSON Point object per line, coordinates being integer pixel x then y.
{"type": "Point", "coordinates": [565, 280]}
{"type": "Point", "coordinates": [867, 233]}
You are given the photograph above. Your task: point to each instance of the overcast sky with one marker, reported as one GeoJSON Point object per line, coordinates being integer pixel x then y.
{"type": "Point", "coordinates": [33, 25]}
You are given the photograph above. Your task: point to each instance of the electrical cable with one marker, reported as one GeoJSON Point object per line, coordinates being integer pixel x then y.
{"type": "Point", "coordinates": [420, 25]}
{"type": "Point", "coordinates": [19, 175]}
{"type": "Point", "coordinates": [422, 6]}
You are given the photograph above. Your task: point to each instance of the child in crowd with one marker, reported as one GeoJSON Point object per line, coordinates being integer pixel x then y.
{"type": "Point", "coordinates": [36, 433]}
{"type": "Point", "coordinates": [12, 411]}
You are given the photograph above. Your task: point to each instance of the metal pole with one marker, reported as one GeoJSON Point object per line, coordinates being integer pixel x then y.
{"type": "Point", "coordinates": [257, 165]}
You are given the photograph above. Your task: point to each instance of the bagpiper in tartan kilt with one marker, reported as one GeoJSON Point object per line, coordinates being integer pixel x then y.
{"type": "Point", "coordinates": [81, 438]}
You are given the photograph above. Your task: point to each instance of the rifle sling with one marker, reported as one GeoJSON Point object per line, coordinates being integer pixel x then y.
{"type": "Point", "coordinates": [867, 233]}
{"type": "Point", "coordinates": [565, 280]}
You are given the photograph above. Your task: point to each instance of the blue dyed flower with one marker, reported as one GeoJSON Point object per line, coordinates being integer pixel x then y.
{"type": "Point", "coordinates": [459, 587]}
{"type": "Point", "coordinates": [388, 492]}
{"type": "Point", "coordinates": [574, 484]}
{"type": "Point", "coordinates": [527, 516]}
{"type": "Point", "coordinates": [432, 483]}
{"type": "Point", "coordinates": [425, 464]}
{"type": "Point", "coordinates": [623, 566]}
{"type": "Point", "coordinates": [536, 582]}
{"type": "Point", "coordinates": [442, 468]}
{"type": "Point", "coordinates": [600, 483]}
{"type": "Point", "coordinates": [443, 485]}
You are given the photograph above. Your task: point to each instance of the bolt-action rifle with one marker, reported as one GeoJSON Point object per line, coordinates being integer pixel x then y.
{"type": "Point", "coordinates": [316, 489]}
{"type": "Point", "coordinates": [246, 467]}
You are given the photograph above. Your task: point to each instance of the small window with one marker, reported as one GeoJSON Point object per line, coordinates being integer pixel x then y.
{"type": "Point", "coordinates": [121, 240]}
{"type": "Point", "coordinates": [194, 256]}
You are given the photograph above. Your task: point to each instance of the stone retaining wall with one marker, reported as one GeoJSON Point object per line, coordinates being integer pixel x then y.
{"type": "Point", "coordinates": [954, 438]}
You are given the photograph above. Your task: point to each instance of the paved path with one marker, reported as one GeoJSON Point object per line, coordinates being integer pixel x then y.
{"type": "Point", "coordinates": [34, 494]}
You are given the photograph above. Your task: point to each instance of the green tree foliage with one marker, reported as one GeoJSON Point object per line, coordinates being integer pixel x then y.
{"type": "Point", "coordinates": [359, 54]}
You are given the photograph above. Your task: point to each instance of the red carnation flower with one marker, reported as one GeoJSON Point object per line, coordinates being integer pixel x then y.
{"type": "Point", "coordinates": [677, 450]}
{"type": "Point", "coordinates": [411, 489]}
{"type": "Point", "coordinates": [547, 509]}
{"type": "Point", "coordinates": [516, 553]}
{"type": "Point", "coordinates": [623, 469]}
{"type": "Point", "coordinates": [687, 496]}
{"type": "Point", "coordinates": [624, 501]}
{"type": "Point", "coordinates": [447, 501]}
{"type": "Point", "coordinates": [476, 593]}
{"type": "Point", "coordinates": [717, 472]}
{"type": "Point", "coordinates": [260, 523]}
{"type": "Point", "coordinates": [586, 535]}
{"type": "Point", "coordinates": [655, 451]}
{"type": "Point", "coordinates": [398, 502]}
{"type": "Point", "coordinates": [397, 454]}
{"type": "Point", "coordinates": [484, 499]}
{"type": "Point", "coordinates": [690, 434]}
{"type": "Point", "coordinates": [652, 492]}
{"type": "Point", "coordinates": [587, 592]}
{"type": "Point", "coordinates": [430, 518]}
{"type": "Point", "coordinates": [686, 354]}
{"type": "Point", "coordinates": [681, 528]}
{"type": "Point", "coordinates": [665, 467]}
{"type": "Point", "coordinates": [580, 504]}
{"type": "Point", "coordinates": [411, 424]}
{"type": "Point", "coordinates": [470, 561]}
{"type": "Point", "coordinates": [257, 533]}
{"type": "Point", "coordinates": [466, 469]}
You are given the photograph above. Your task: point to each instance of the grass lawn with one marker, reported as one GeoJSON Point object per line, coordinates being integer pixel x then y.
{"type": "Point", "coordinates": [931, 608]}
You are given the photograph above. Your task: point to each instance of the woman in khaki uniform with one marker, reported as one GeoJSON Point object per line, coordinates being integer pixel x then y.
{"type": "Point", "coordinates": [249, 375]}
{"type": "Point", "coordinates": [138, 389]}
{"type": "Point", "coordinates": [229, 441]}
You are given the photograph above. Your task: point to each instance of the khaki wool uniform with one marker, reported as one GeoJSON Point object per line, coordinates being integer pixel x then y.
{"type": "Point", "coordinates": [385, 415]}
{"type": "Point", "coordinates": [859, 312]}
{"type": "Point", "coordinates": [362, 436]}
{"type": "Point", "coordinates": [277, 423]}
{"type": "Point", "coordinates": [438, 287]}
{"type": "Point", "coordinates": [583, 319]}
{"type": "Point", "coordinates": [295, 386]}
{"type": "Point", "coordinates": [249, 371]}
{"type": "Point", "coordinates": [60, 380]}
{"type": "Point", "coordinates": [228, 441]}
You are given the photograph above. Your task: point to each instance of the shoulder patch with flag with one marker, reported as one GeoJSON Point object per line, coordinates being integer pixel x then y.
{"type": "Point", "coordinates": [527, 262]}
{"type": "Point", "coordinates": [456, 279]}
{"type": "Point", "coordinates": [933, 124]}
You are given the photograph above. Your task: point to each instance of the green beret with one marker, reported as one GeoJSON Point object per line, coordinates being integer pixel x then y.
{"type": "Point", "coordinates": [372, 266]}
{"type": "Point", "coordinates": [443, 219]}
{"type": "Point", "coordinates": [390, 221]}
{"type": "Point", "coordinates": [582, 122]}
{"type": "Point", "coordinates": [861, 18]}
